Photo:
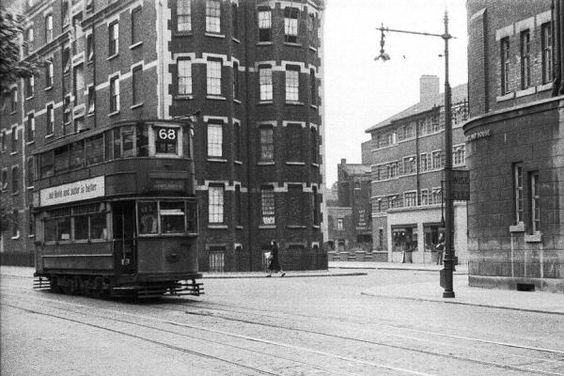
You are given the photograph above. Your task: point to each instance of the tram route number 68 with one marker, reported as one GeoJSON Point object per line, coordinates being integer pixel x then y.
{"type": "Point", "coordinates": [167, 134]}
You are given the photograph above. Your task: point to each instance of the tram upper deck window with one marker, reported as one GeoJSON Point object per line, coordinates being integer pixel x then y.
{"type": "Point", "coordinates": [62, 159]}
{"type": "Point", "coordinates": [166, 140]}
{"type": "Point", "coordinates": [130, 141]}
{"type": "Point", "coordinates": [95, 149]}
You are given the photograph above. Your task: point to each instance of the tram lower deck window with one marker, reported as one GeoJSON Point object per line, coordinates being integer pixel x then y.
{"type": "Point", "coordinates": [166, 217]}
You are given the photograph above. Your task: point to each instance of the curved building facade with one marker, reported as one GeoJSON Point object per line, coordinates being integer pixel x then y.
{"type": "Point", "coordinates": [248, 74]}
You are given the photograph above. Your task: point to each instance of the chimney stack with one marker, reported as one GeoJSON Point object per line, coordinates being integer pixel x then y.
{"type": "Point", "coordinates": [428, 87]}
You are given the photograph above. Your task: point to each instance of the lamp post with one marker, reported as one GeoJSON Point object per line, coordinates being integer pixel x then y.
{"type": "Point", "coordinates": [446, 273]}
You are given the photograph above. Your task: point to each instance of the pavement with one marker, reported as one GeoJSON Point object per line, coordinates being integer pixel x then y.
{"type": "Point", "coordinates": [529, 301]}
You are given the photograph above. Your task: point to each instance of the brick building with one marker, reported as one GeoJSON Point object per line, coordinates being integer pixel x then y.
{"type": "Point", "coordinates": [248, 72]}
{"type": "Point", "coordinates": [515, 144]}
{"type": "Point", "coordinates": [350, 215]}
{"type": "Point", "coordinates": [407, 166]}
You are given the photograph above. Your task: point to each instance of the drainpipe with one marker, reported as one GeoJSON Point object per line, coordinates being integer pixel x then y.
{"type": "Point", "coordinates": [250, 180]}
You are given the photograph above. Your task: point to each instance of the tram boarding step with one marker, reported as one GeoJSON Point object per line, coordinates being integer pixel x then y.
{"type": "Point", "coordinates": [41, 283]}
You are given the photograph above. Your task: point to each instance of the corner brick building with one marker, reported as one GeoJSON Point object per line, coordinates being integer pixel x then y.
{"type": "Point", "coordinates": [515, 144]}
{"type": "Point", "coordinates": [248, 73]}
{"type": "Point", "coordinates": [407, 167]}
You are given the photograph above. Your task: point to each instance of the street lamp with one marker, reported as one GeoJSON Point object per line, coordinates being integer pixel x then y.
{"type": "Point", "coordinates": [446, 272]}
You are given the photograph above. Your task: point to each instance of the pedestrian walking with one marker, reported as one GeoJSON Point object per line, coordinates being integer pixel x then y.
{"type": "Point", "coordinates": [440, 248]}
{"type": "Point", "coordinates": [274, 262]}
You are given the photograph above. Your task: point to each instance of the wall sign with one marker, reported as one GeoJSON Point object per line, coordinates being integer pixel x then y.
{"type": "Point", "coordinates": [477, 135]}
{"type": "Point", "coordinates": [77, 191]}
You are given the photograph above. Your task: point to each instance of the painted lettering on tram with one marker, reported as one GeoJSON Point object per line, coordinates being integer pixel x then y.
{"type": "Point", "coordinates": [77, 191]}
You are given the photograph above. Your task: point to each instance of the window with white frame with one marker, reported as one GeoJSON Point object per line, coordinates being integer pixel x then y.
{"type": "Point", "coordinates": [49, 28]}
{"type": "Point", "coordinates": [184, 70]}
{"type": "Point", "coordinates": [535, 201]}
{"type": "Point", "coordinates": [268, 208]}
{"type": "Point", "coordinates": [91, 99]}
{"type": "Point", "coordinates": [265, 24]}
{"type": "Point", "coordinates": [525, 59]}
{"type": "Point", "coordinates": [50, 120]}
{"type": "Point", "coordinates": [214, 76]}
{"type": "Point", "coordinates": [213, 16]}
{"type": "Point", "coordinates": [313, 87]}
{"type": "Point", "coordinates": [235, 80]}
{"type": "Point", "coordinates": [504, 66]}
{"type": "Point", "coordinates": [215, 139]}
{"type": "Point", "coordinates": [266, 143]}
{"type": "Point", "coordinates": [49, 72]}
{"type": "Point", "coordinates": [184, 15]}
{"type": "Point", "coordinates": [29, 41]}
{"type": "Point", "coordinates": [215, 204]}
{"type": "Point", "coordinates": [30, 127]}
{"type": "Point", "coordinates": [291, 25]}
{"type": "Point", "coordinates": [410, 199]}
{"type": "Point", "coordinates": [113, 38]}
{"type": "Point", "coordinates": [90, 47]}
{"type": "Point", "coordinates": [423, 162]}
{"type": "Point", "coordinates": [437, 194]}
{"type": "Point", "coordinates": [29, 86]}
{"type": "Point", "coordinates": [437, 159]}
{"type": "Point", "coordinates": [340, 224]}
{"type": "Point", "coordinates": [235, 20]}
{"type": "Point", "coordinates": [459, 155]}
{"type": "Point", "coordinates": [137, 85]}
{"type": "Point", "coordinates": [518, 196]}
{"type": "Point", "coordinates": [136, 25]}
{"type": "Point", "coordinates": [114, 94]}
{"type": "Point", "coordinates": [546, 45]}
{"type": "Point", "coordinates": [292, 83]}
{"type": "Point", "coordinates": [409, 165]}
{"type": "Point", "coordinates": [4, 179]}
{"type": "Point", "coordinates": [265, 83]}
{"type": "Point", "coordinates": [424, 200]}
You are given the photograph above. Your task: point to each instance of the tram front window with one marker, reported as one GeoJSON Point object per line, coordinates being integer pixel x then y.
{"type": "Point", "coordinates": [148, 218]}
{"type": "Point", "coordinates": [172, 217]}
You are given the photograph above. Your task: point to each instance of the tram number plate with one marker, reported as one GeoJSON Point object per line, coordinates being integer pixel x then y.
{"type": "Point", "coordinates": [166, 134]}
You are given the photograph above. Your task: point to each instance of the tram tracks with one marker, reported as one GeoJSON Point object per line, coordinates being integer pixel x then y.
{"type": "Point", "coordinates": [207, 330]}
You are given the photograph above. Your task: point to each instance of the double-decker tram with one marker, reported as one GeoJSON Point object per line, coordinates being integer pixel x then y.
{"type": "Point", "coordinates": [115, 212]}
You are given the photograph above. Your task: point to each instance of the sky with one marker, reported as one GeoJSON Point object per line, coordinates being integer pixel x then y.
{"type": "Point", "coordinates": [360, 92]}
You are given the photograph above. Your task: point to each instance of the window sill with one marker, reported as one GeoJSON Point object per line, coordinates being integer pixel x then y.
{"type": "Point", "coordinates": [30, 142]}
{"type": "Point", "coordinates": [264, 43]}
{"type": "Point", "coordinates": [239, 227]}
{"type": "Point", "coordinates": [216, 97]}
{"type": "Point", "coordinates": [294, 103]}
{"type": "Point", "coordinates": [14, 153]}
{"type": "Point", "coordinates": [14, 112]}
{"type": "Point", "coordinates": [90, 62]}
{"type": "Point", "coordinates": [316, 227]}
{"type": "Point", "coordinates": [544, 87]}
{"type": "Point", "coordinates": [50, 135]}
{"type": "Point", "coordinates": [525, 92]}
{"type": "Point", "coordinates": [295, 163]}
{"type": "Point", "coordinates": [136, 106]}
{"type": "Point", "coordinates": [519, 227]}
{"type": "Point", "coordinates": [15, 194]}
{"type": "Point", "coordinates": [113, 113]}
{"type": "Point", "coordinates": [90, 114]}
{"type": "Point", "coordinates": [29, 98]}
{"type": "Point", "coordinates": [266, 227]}
{"type": "Point", "coordinates": [315, 164]}
{"type": "Point", "coordinates": [48, 88]}
{"type": "Point", "coordinates": [506, 97]}
{"type": "Point", "coordinates": [238, 163]}
{"type": "Point", "coordinates": [30, 187]}
{"type": "Point", "coordinates": [270, 163]}
{"type": "Point", "coordinates": [236, 40]}
{"type": "Point", "coordinates": [218, 227]}
{"type": "Point", "coordinates": [296, 227]}
{"type": "Point", "coordinates": [183, 97]}
{"type": "Point", "coordinates": [216, 159]}
{"type": "Point", "coordinates": [265, 102]}
{"type": "Point", "coordinates": [183, 33]}
{"type": "Point", "coordinates": [112, 57]}
{"type": "Point", "coordinates": [533, 238]}
{"type": "Point", "coordinates": [314, 106]}
{"type": "Point", "coordinates": [15, 237]}
{"type": "Point", "coordinates": [292, 44]}
{"type": "Point", "coordinates": [237, 101]}
{"type": "Point", "coordinates": [313, 48]}
{"type": "Point", "coordinates": [214, 35]}
{"type": "Point", "coordinates": [135, 45]}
